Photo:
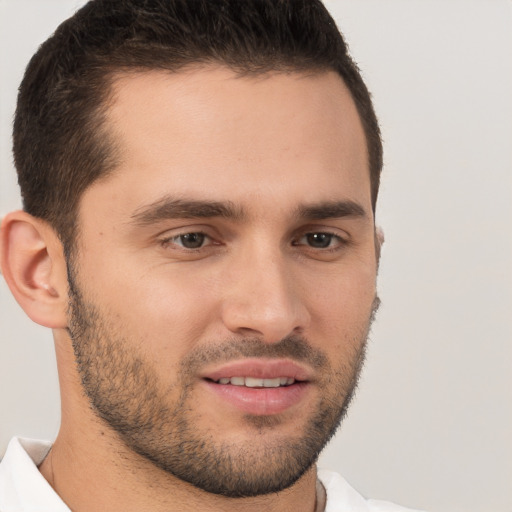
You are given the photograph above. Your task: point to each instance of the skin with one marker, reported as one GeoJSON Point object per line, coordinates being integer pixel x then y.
{"type": "Point", "coordinates": [268, 146]}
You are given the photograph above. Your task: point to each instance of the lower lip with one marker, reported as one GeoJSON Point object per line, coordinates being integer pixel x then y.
{"type": "Point", "coordinates": [260, 401]}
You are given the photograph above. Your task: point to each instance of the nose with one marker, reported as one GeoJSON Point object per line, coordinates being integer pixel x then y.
{"type": "Point", "coordinates": [264, 298]}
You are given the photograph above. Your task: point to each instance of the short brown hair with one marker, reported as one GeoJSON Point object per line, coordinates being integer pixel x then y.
{"type": "Point", "coordinates": [61, 145]}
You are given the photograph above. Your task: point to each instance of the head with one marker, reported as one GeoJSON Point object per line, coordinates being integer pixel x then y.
{"type": "Point", "coordinates": [210, 170]}
{"type": "Point", "coordinates": [61, 144]}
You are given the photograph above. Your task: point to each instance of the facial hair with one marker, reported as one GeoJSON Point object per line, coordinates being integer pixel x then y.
{"type": "Point", "coordinates": [125, 391]}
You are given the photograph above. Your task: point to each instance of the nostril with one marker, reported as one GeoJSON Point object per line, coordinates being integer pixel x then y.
{"type": "Point", "coordinates": [264, 302]}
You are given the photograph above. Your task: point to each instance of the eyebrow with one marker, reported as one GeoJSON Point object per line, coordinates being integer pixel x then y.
{"type": "Point", "coordinates": [172, 208]}
{"type": "Point", "coordinates": [331, 210]}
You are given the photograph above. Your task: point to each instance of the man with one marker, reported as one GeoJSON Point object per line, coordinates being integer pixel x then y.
{"type": "Point", "coordinates": [199, 182]}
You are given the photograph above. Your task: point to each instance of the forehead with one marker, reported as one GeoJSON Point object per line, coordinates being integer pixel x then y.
{"type": "Point", "coordinates": [208, 132]}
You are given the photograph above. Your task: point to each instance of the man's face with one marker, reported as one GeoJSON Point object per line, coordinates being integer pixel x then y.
{"type": "Point", "coordinates": [224, 280]}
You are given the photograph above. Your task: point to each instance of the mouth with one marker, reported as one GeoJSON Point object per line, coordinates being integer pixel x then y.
{"type": "Point", "coordinates": [254, 382]}
{"type": "Point", "coordinates": [258, 387]}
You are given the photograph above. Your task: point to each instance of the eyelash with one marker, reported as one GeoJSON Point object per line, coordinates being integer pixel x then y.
{"type": "Point", "coordinates": [333, 237]}
{"type": "Point", "coordinates": [173, 239]}
{"type": "Point", "coordinates": [295, 242]}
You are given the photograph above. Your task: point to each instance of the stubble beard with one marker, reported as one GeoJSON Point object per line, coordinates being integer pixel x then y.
{"type": "Point", "coordinates": [124, 391]}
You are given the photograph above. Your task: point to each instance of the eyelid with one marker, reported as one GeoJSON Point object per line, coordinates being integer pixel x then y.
{"type": "Point", "coordinates": [341, 241]}
{"type": "Point", "coordinates": [175, 238]}
{"type": "Point", "coordinates": [328, 230]}
{"type": "Point", "coordinates": [333, 235]}
{"type": "Point", "coordinates": [168, 237]}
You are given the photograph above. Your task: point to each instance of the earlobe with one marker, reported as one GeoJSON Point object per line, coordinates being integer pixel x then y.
{"type": "Point", "coordinates": [34, 268]}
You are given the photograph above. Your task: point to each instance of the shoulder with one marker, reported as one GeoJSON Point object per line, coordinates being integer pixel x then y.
{"type": "Point", "coordinates": [342, 497]}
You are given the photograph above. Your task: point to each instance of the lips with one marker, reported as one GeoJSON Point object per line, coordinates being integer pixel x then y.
{"type": "Point", "coordinates": [259, 368]}
{"type": "Point", "coordinates": [259, 386]}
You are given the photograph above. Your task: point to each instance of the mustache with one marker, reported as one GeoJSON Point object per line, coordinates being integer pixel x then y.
{"type": "Point", "coordinates": [295, 347]}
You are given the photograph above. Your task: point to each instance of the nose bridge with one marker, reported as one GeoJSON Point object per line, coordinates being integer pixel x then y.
{"type": "Point", "coordinates": [264, 298]}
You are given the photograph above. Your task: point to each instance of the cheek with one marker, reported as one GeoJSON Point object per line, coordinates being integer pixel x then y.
{"type": "Point", "coordinates": [341, 305]}
{"type": "Point", "coordinates": [160, 310]}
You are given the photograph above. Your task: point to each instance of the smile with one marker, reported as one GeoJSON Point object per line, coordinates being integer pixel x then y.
{"type": "Point", "coordinates": [253, 382]}
{"type": "Point", "coordinates": [258, 386]}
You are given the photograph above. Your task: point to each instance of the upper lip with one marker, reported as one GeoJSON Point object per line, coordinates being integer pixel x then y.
{"type": "Point", "coordinates": [259, 368]}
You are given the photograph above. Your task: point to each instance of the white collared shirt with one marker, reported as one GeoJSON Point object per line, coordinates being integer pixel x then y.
{"type": "Point", "coordinates": [24, 489]}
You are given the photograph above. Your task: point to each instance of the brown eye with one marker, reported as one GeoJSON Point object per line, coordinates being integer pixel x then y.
{"type": "Point", "coordinates": [319, 240]}
{"type": "Point", "coordinates": [191, 240]}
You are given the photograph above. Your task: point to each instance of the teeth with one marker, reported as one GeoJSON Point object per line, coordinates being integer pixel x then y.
{"type": "Point", "coordinates": [252, 382]}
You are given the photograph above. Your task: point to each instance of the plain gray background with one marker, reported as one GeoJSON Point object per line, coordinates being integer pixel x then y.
{"type": "Point", "coordinates": [431, 424]}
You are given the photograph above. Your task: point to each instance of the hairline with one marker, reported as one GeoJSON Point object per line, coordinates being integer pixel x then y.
{"type": "Point", "coordinates": [114, 75]}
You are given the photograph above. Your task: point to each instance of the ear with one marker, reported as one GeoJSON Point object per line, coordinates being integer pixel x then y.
{"type": "Point", "coordinates": [34, 267]}
{"type": "Point", "coordinates": [379, 240]}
